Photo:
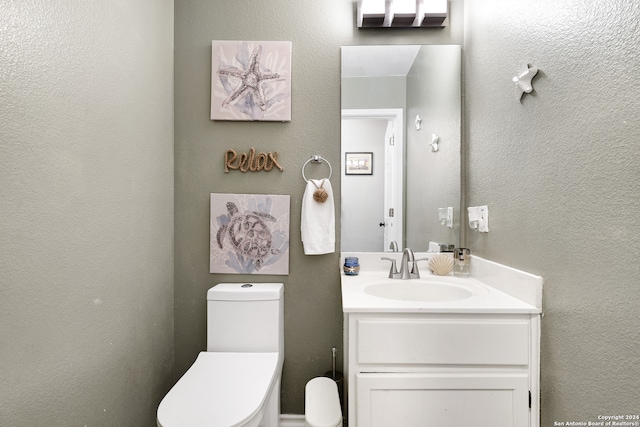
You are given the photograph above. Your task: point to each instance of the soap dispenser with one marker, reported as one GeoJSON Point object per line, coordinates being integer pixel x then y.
{"type": "Point", "coordinates": [461, 260]}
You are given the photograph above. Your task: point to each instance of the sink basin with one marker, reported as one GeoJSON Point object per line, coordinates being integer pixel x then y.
{"type": "Point", "coordinates": [418, 290]}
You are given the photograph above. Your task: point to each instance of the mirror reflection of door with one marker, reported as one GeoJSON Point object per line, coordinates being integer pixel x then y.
{"type": "Point", "coordinates": [372, 204]}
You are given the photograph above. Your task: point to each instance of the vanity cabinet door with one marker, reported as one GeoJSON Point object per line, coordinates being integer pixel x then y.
{"type": "Point", "coordinates": [442, 399]}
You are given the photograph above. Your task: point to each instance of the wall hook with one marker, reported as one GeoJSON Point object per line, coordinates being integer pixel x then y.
{"type": "Point", "coordinates": [435, 140]}
{"type": "Point", "coordinates": [523, 79]}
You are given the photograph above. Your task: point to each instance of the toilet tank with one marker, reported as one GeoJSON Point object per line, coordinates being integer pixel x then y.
{"type": "Point", "coordinates": [245, 318]}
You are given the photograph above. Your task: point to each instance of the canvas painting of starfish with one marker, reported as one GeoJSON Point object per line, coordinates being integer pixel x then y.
{"type": "Point", "coordinates": [251, 81]}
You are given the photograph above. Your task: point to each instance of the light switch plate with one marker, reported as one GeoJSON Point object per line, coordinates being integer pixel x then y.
{"type": "Point", "coordinates": [483, 224]}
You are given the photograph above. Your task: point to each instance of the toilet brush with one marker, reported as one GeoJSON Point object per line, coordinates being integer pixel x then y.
{"type": "Point", "coordinates": [333, 357]}
{"type": "Point", "coordinates": [335, 375]}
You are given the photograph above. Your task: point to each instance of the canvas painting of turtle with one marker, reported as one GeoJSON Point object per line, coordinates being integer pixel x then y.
{"type": "Point", "coordinates": [249, 234]}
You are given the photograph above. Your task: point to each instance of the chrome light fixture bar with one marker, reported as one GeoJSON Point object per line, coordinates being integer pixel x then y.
{"type": "Point", "coordinates": [402, 13]}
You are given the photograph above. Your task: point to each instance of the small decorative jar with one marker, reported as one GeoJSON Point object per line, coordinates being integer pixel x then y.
{"type": "Point", "coordinates": [351, 266]}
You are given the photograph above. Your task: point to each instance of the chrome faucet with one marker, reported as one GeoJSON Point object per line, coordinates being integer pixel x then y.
{"type": "Point", "coordinates": [405, 273]}
{"type": "Point", "coordinates": [393, 246]}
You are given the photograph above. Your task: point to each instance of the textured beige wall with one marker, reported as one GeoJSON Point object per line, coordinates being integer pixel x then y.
{"type": "Point", "coordinates": [312, 289]}
{"type": "Point", "coordinates": [86, 212]}
{"type": "Point", "coordinates": [560, 174]}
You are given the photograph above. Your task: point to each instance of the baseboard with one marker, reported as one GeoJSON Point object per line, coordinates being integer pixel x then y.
{"type": "Point", "coordinates": [289, 420]}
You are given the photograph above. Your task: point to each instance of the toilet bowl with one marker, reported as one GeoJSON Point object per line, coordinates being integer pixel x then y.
{"type": "Point", "coordinates": [236, 382]}
{"type": "Point", "coordinates": [322, 403]}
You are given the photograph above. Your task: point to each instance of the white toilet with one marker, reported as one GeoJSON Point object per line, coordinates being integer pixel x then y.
{"type": "Point", "coordinates": [236, 382]}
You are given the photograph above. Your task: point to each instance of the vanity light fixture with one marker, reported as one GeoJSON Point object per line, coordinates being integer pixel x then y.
{"type": "Point", "coordinates": [402, 13]}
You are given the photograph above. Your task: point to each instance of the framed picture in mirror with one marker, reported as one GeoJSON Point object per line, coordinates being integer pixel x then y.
{"type": "Point", "coordinates": [358, 163]}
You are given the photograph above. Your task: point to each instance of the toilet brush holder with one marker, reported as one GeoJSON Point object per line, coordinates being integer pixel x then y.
{"type": "Point", "coordinates": [336, 375]}
{"type": "Point", "coordinates": [339, 379]}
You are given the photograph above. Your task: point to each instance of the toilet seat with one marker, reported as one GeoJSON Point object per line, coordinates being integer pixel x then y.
{"type": "Point", "coordinates": [220, 390]}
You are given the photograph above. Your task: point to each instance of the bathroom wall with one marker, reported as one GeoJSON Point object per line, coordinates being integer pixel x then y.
{"type": "Point", "coordinates": [86, 212]}
{"type": "Point", "coordinates": [559, 171]}
{"type": "Point", "coordinates": [87, 206]}
{"type": "Point", "coordinates": [313, 313]}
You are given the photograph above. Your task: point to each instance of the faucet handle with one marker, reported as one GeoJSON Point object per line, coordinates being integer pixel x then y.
{"type": "Point", "coordinates": [394, 269]}
{"type": "Point", "coordinates": [414, 269]}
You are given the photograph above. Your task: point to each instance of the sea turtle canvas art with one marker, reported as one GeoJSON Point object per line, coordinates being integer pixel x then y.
{"type": "Point", "coordinates": [249, 234]}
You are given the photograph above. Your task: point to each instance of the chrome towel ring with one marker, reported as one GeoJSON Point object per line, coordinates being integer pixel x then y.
{"type": "Point", "coordinates": [316, 159]}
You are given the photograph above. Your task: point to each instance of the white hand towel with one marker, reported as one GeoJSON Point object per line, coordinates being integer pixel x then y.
{"type": "Point", "coordinates": [318, 223]}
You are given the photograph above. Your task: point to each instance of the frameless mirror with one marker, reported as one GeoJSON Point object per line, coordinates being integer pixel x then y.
{"type": "Point", "coordinates": [400, 139]}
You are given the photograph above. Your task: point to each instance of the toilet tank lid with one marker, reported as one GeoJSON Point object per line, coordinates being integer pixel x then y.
{"type": "Point", "coordinates": [246, 292]}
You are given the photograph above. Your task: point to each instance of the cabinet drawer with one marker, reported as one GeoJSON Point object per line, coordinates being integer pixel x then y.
{"type": "Point", "coordinates": [443, 400]}
{"type": "Point", "coordinates": [442, 341]}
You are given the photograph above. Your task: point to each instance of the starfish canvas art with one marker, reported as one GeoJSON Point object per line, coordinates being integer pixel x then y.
{"type": "Point", "coordinates": [251, 81]}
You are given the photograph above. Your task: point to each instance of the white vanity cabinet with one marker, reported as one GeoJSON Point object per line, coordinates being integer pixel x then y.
{"type": "Point", "coordinates": [442, 369]}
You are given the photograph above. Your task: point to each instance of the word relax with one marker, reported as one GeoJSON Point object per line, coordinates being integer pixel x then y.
{"type": "Point", "coordinates": [252, 161]}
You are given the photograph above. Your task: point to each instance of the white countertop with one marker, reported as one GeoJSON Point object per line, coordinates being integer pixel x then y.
{"type": "Point", "coordinates": [485, 299]}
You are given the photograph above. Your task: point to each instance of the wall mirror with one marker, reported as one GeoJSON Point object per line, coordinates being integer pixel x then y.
{"type": "Point", "coordinates": [401, 111]}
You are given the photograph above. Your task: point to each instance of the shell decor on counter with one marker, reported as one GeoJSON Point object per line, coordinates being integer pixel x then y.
{"type": "Point", "coordinates": [441, 265]}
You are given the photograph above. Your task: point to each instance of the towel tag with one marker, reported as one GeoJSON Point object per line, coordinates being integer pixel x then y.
{"type": "Point", "coordinates": [320, 195]}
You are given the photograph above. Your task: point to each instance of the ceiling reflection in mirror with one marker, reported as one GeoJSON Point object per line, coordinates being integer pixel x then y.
{"type": "Point", "coordinates": [401, 111]}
